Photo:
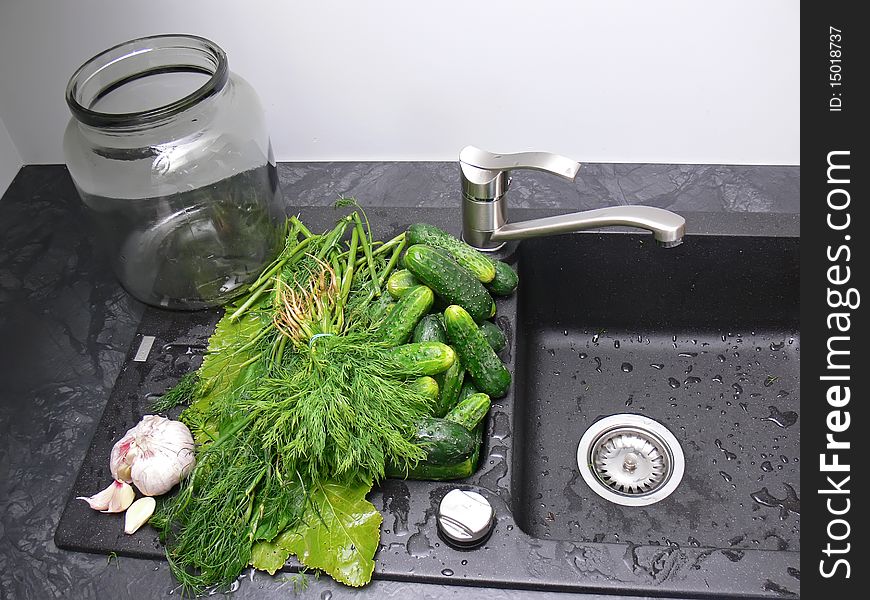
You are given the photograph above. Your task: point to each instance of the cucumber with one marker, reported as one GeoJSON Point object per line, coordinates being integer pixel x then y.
{"type": "Point", "coordinates": [397, 326]}
{"type": "Point", "coordinates": [450, 383]}
{"type": "Point", "coordinates": [480, 266]}
{"type": "Point", "coordinates": [445, 442]}
{"type": "Point", "coordinates": [494, 335]}
{"type": "Point", "coordinates": [449, 280]}
{"type": "Point", "coordinates": [468, 388]}
{"type": "Point", "coordinates": [489, 374]}
{"type": "Point", "coordinates": [426, 470]}
{"type": "Point", "coordinates": [470, 412]}
{"type": "Point", "coordinates": [427, 386]}
{"type": "Point", "coordinates": [431, 329]}
{"type": "Point", "coordinates": [506, 280]}
{"type": "Point", "coordinates": [400, 282]}
{"type": "Point", "coordinates": [423, 358]}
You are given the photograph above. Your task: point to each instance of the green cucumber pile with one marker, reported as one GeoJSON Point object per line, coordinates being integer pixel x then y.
{"type": "Point", "coordinates": [444, 302]}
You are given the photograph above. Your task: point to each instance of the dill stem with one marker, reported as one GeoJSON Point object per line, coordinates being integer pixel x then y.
{"type": "Point", "coordinates": [263, 280]}
{"type": "Point", "coordinates": [389, 244]}
{"type": "Point", "coordinates": [394, 259]}
{"type": "Point", "coordinates": [253, 340]}
{"type": "Point", "coordinates": [348, 274]}
{"type": "Point", "coordinates": [333, 236]}
{"type": "Point", "coordinates": [278, 349]}
{"type": "Point", "coordinates": [302, 228]}
{"type": "Point", "coordinates": [367, 250]}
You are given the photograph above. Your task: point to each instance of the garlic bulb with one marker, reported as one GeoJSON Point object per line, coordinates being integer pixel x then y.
{"type": "Point", "coordinates": [138, 513]}
{"type": "Point", "coordinates": [154, 455]}
{"type": "Point", "coordinates": [114, 499]}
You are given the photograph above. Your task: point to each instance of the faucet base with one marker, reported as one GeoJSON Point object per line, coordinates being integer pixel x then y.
{"type": "Point", "coordinates": [486, 248]}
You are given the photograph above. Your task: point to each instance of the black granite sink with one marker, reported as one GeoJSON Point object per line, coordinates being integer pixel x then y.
{"type": "Point", "coordinates": [724, 306]}
{"type": "Point", "coordinates": [702, 338]}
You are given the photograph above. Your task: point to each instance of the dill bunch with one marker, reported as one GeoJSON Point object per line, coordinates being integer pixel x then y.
{"type": "Point", "coordinates": [340, 408]}
{"type": "Point", "coordinates": [295, 392]}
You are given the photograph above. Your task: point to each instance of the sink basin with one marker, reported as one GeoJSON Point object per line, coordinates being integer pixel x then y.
{"type": "Point", "coordinates": [702, 338]}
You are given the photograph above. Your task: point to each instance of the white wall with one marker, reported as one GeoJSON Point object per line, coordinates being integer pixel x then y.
{"type": "Point", "coordinates": [618, 80]}
{"type": "Point", "coordinates": [10, 160]}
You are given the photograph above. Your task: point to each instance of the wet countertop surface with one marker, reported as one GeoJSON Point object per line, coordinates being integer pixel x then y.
{"type": "Point", "coordinates": [66, 326]}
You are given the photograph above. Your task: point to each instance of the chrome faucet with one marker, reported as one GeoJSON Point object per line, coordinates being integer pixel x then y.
{"type": "Point", "coordinates": [485, 180]}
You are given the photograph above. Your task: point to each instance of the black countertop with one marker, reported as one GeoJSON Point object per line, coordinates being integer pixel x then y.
{"type": "Point", "coordinates": [66, 326]}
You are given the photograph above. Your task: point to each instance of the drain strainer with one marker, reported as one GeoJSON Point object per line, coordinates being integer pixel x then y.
{"type": "Point", "coordinates": [630, 460]}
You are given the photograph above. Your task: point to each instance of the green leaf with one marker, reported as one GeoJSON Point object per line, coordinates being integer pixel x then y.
{"type": "Point", "coordinates": [224, 365]}
{"type": "Point", "coordinates": [269, 557]}
{"type": "Point", "coordinates": [339, 533]}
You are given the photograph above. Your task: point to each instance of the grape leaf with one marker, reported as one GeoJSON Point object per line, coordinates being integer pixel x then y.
{"type": "Point", "coordinates": [223, 366]}
{"type": "Point", "coordinates": [269, 557]}
{"type": "Point", "coordinates": [338, 534]}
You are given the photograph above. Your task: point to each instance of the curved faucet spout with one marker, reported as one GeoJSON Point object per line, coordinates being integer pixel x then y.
{"type": "Point", "coordinates": [668, 228]}
{"type": "Point", "coordinates": [485, 178]}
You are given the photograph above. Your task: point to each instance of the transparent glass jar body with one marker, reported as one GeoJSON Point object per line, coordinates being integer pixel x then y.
{"type": "Point", "coordinates": [170, 154]}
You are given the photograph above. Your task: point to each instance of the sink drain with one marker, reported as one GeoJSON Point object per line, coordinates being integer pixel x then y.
{"type": "Point", "coordinates": [630, 460]}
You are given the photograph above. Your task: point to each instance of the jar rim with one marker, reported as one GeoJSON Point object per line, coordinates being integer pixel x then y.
{"type": "Point", "coordinates": [216, 67]}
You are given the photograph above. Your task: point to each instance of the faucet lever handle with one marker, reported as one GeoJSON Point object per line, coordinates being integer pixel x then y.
{"type": "Point", "coordinates": [485, 175]}
{"type": "Point", "coordinates": [537, 161]}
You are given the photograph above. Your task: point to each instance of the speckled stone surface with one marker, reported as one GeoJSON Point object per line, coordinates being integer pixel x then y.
{"type": "Point", "coordinates": [66, 325]}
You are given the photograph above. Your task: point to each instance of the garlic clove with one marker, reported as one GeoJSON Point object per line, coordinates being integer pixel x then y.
{"type": "Point", "coordinates": [123, 472]}
{"type": "Point", "coordinates": [100, 501]}
{"type": "Point", "coordinates": [138, 514]}
{"type": "Point", "coordinates": [122, 497]}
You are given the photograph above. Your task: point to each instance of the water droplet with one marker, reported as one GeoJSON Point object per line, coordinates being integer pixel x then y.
{"type": "Point", "coordinates": [717, 378]}
{"type": "Point", "coordinates": [627, 367]}
{"type": "Point", "coordinates": [597, 364]}
{"type": "Point", "coordinates": [721, 357]}
{"type": "Point", "coordinates": [583, 355]}
{"type": "Point", "coordinates": [790, 504]}
{"type": "Point", "coordinates": [778, 346]}
{"type": "Point", "coordinates": [326, 595]}
{"type": "Point", "coordinates": [657, 366]}
{"type": "Point", "coordinates": [616, 344]}
{"type": "Point", "coordinates": [551, 352]}
{"type": "Point", "coordinates": [565, 333]}
{"type": "Point", "coordinates": [687, 354]}
{"type": "Point", "coordinates": [689, 369]}
{"type": "Point", "coordinates": [781, 419]}
{"type": "Point", "coordinates": [464, 562]}
{"type": "Point", "coordinates": [630, 401]}
{"type": "Point", "coordinates": [733, 555]}
{"type": "Point", "coordinates": [694, 542]}
{"type": "Point", "coordinates": [738, 389]}
{"type": "Point", "coordinates": [595, 338]}
{"type": "Point", "coordinates": [673, 382]}
{"type": "Point", "coordinates": [692, 380]}
{"type": "Point", "coordinates": [726, 476]}
{"type": "Point", "coordinates": [782, 394]}
{"type": "Point", "coordinates": [418, 545]}
{"type": "Point", "coordinates": [766, 466]}
{"type": "Point", "coordinates": [728, 454]}
{"type": "Point", "coordinates": [447, 572]}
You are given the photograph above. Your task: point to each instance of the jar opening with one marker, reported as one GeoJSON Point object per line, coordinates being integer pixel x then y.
{"type": "Point", "coordinates": [146, 80]}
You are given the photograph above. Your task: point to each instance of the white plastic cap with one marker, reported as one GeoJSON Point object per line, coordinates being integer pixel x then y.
{"type": "Point", "coordinates": [465, 518]}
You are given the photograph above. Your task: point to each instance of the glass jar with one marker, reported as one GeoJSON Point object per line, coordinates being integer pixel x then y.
{"type": "Point", "coordinates": [170, 154]}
